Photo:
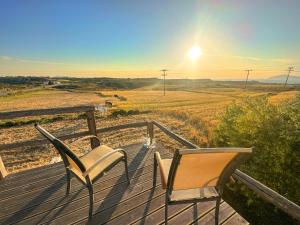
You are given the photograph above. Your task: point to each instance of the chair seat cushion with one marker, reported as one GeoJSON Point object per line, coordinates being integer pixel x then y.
{"type": "Point", "coordinates": [91, 157]}
{"type": "Point", "coordinates": [193, 194]}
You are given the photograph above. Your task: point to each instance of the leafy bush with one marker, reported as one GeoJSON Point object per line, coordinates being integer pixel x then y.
{"type": "Point", "coordinates": [122, 112]}
{"type": "Point", "coordinates": [274, 131]}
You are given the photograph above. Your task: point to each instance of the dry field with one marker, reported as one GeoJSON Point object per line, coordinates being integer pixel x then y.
{"type": "Point", "coordinates": [192, 114]}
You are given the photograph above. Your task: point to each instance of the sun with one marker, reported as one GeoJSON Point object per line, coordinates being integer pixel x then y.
{"type": "Point", "coordinates": [195, 53]}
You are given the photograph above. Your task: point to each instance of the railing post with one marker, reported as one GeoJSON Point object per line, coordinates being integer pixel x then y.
{"type": "Point", "coordinates": [150, 130]}
{"type": "Point", "coordinates": [92, 128]}
{"type": "Point", "coordinates": [3, 172]}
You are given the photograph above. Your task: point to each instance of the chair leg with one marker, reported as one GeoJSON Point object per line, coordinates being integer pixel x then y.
{"type": "Point", "coordinates": [91, 194]}
{"type": "Point", "coordinates": [154, 171]}
{"type": "Point", "coordinates": [126, 170]}
{"type": "Point", "coordinates": [217, 211]}
{"type": "Point", "coordinates": [68, 182]}
{"type": "Point", "coordinates": [166, 210]}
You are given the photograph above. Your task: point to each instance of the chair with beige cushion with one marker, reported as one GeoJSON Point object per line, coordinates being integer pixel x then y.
{"type": "Point", "coordinates": [89, 167]}
{"type": "Point", "coordinates": [198, 174]}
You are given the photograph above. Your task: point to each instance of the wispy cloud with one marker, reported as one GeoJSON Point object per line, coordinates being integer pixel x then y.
{"type": "Point", "coordinates": [253, 58]}
{"type": "Point", "coordinates": [5, 58]}
{"type": "Point", "coordinates": [14, 59]}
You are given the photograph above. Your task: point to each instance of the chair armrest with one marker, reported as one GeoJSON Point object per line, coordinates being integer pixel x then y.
{"type": "Point", "coordinates": [163, 168]}
{"type": "Point", "coordinates": [158, 158]}
{"type": "Point", "coordinates": [101, 159]}
{"type": "Point", "coordinates": [160, 163]}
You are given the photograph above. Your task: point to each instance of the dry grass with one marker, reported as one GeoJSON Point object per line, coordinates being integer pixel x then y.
{"type": "Point", "coordinates": [191, 114]}
{"type": "Point", "coordinates": [48, 99]}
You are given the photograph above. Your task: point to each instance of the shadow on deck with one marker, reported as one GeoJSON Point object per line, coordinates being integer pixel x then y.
{"type": "Point", "coordinates": [37, 196]}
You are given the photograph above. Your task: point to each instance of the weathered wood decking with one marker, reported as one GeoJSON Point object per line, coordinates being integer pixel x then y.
{"type": "Point", "coordinates": [38, 197]}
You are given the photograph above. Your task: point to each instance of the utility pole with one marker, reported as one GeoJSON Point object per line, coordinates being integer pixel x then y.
{"type": "Point", "coordinates": [164, 75]}
{"type": "Point", "coordinates": [290, 69]}
{"type": "Point", "coordinates": [248, 72]}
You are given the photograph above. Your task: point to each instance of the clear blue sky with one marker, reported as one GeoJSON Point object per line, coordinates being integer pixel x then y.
{"type": "Point", "coordinates": [137, 38]}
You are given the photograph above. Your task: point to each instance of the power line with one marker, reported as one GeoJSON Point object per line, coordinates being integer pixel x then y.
{"type": "Point", "coordinates": [290, 69]}
{"type": "Point", "coordinates": [248, 72]}
{"type": "Point", "coordinates": [164, 75]}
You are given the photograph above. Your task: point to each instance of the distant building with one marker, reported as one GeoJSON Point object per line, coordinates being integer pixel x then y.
{"type": "Point", "coordinates": [51, 82]}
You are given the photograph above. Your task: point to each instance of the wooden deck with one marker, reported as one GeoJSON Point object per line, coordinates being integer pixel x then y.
{"type": "Point", "coordinates": [37, 196]}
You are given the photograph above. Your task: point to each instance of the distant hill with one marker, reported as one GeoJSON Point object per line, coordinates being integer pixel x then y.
{"type": "Point", "coordinates": [281, 79]}
{"type": "Point", "coordinates": [106, 83]}
{"type": "Point", "coordinates": [15, 80]}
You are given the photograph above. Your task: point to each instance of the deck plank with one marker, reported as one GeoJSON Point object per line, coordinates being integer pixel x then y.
{"type": "Point", "coordinates": [80, 197]}
{"type": "Point", "coordinates": [40, 184]}
{"type": "Point", "coordinates": [76, 207]}
{"type": "Point", "coordinates": [40, 199]}
{"type": "Point", "coordinates": [59, 186]}
{"type": "Point", "coordinates": [235, 219]}
{"type": "Point", "coordinates": [183, 210]}
{"type": "Point", "coordinates": [57, 190]}
{"type": "Point", "coordinates": [14, 181]}
{"type": "Point", "coordinates": [225, 212]}
{"type": "Point", "coordinates": [105, 214]}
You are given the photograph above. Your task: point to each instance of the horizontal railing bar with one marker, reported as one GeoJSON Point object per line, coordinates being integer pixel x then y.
{"type": "Point", "coordinates": [49, 111]}
{"type": "Point", "coordinates": [175, 136]}
{"type": "Point", "coordinates": [268, 194]}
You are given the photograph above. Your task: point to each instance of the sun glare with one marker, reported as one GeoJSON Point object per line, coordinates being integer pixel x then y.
{"type": "Point", "coordinates": [195, 53]}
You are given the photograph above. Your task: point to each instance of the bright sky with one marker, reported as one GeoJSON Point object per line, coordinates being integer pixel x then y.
{"type": "Point", "coordinates": [137, 38]}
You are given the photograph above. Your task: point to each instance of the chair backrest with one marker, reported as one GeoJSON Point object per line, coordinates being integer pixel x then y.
{"type": "Point", "coordinates": [68, 156]}
{"type": "Point", "coordinates": [205, 167]}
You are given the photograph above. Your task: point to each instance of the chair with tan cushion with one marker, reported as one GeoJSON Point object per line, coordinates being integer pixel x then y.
{"type": "Point", "coordinates": [198, 174]}
{"type": "Point", "coordinates": [89, 167]}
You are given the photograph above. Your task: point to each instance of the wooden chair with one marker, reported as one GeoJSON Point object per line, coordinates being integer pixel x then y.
{"type": "Point", "coordinates": [89, 167]}
{"type": "Point", "coordinates": [197, 175]}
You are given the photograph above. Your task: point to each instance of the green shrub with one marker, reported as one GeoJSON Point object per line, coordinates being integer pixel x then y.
{"type": "Point", "coordinates": [274, 131]}
{"type": "Point", "coordinates": [122, 112]}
